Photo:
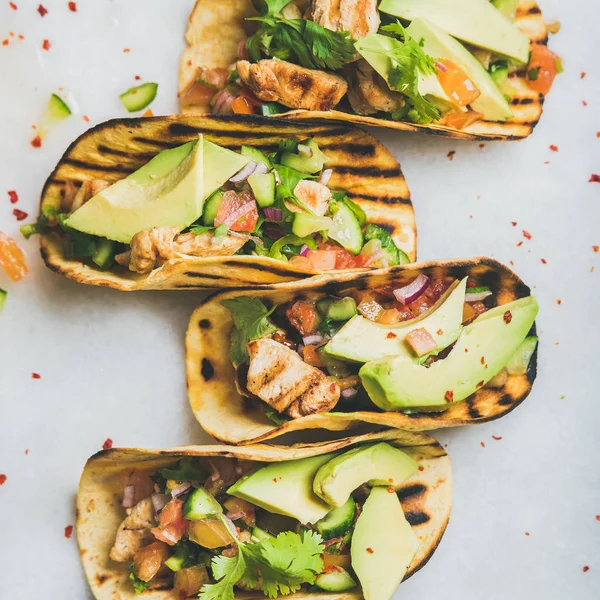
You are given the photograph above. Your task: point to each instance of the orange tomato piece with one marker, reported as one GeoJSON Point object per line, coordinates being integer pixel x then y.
{"type": "Point", "coordinates": [343, 258]}
{"type": "Point", "coordinates": [312, 357]}
{"type": "Point", "coordinates": [12, 258]}
{"type": "Point", "coordinates": [389, 317]}
{"type": "Point", "coordinates": [421, 341]}
{"type": "Point", "coordinates": [231, 203]}
{"type": "Point", "coordinates": [171, 524]}
{"type": "Point", "coordinates": [542, 68]}
{"type": "Point", "coordinates": [242, 106]}
{"type": "Point", "coordinates": [148, 561]}
{"type": "Point", "coordinates": [457, 84]}
{"type": "Point", "coordinates": [462, 120]}
{"type": "Point", "coordinates": [322, 260]}
{"type": "Point", "coordinates": [303, 316]}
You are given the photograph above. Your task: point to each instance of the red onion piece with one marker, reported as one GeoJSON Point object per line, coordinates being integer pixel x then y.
{"type": "Point", "coordinates": [441, 67]}
{"type": "Point", "coordinates": [244, 173]}
{"type": "Point", "coordinates": [159, 501]}
{"type": "Point", "coordinates": [274, 214]}
{"type": "Point", "coordinates": [232, 528]}
{"type": "Point", "coordinates": [409, 293]}
{"type": "Point", "coordinates": [349, 392]}
{"type": "Point", "coordinates": [128, 496]}
{"type": "Point", "coordinates": [222, 103]}
{"type": "Point", "coordinates": [181, 489]}
{"type": "Point", "coordinates": [240, 212]}
{"type": "Point", "coordinates": [477, 297]}
{"type": "Point", "coordinates": [261, 168]}
{"type": "Point", "coordinates": [235, 516]}
{"type": "Point", "coordinates": [304, 250]}
{"type": "Point", "coordinates": [325, 176]}
{"type": "Point", "coordinates": [300, 350]}
{"type": "Point", "coordinates": [306, 150]}
{"type": "Point", "coordinates": [312, 339]}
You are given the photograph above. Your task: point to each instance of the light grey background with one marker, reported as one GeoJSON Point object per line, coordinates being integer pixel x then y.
{"type": "Point", "coordinates": [112, 364]}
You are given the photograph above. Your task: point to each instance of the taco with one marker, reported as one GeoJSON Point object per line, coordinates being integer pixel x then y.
{"type": "Point", "coordinates": [473, 69]}
{"type": "Point", "coordinates": [222, 201]}
{"type": "Point", "coordinates": [245, 522]}
{"type": "Point", "coordinates": [418, 347]}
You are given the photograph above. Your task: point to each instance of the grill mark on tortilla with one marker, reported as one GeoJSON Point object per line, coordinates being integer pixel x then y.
{"type": "Point", "coordinates": [385, 199]}
{"type": "Point", "coordinates": [472, 407]}
{"type": "Point", "coordinates": [97, 167]}
{"type": "Point", "coordinates": [194, 274]}
{"type": "Point", "coordinates": [114, 152]}
{"type": "Point", "coordinates": [369, 171]}
{"type": "Point", "coordinates": [101, 579]}
{"type": "Point", "coordinates": [534, 10]}
{"type": "Point", "coordinates": [275, 270]}
{"type": "Point", "coordinates": [350, 148]}
{"type": "Point", "coordinates": [161, 143]}
{"type": "Point", "coordinates": [207, 370]}
{"type": "Point", "coordinates": [523, 100]}
{"type": "Point", "coordinates": [505, 400]}
{"type": "Point", "coordinates": [205, 324]}
{"type": "Point", "coordinates": [417, 518]}
{"type": "Point", "coordinates": [412, 491]}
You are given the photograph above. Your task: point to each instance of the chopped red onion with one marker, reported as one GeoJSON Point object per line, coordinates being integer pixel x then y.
{"type": "Point", "coordinates": [274, 214]}
{"type": "Point", "coordinates": [374, 257]}
{"type": "Point", "coordinates": [159, 501]}
{"type": "Point", "coordinates": [306, 150]}
{"type": "Point", "coordinates": [325, 176]}
{"type": "Point", "coordinates": [261, 168]}
{"type": "Point", "coordinates": [181, 489]}
{"type": "Point", "coordinates": [304, 250]}
{"type": "Point", "coordinates": [312, 339]}
{"type": "Point", "coordinates": [240, 212]}
{"type": "Point", "coordinates": [235, 516]}
{"type": "Point", "coordinates": [409, 293]}
{"type": "Point", "coordinates": [230, 525]}
{"type": "Point", "coordinates": [244, 173]}
{"type": "Point", "coordinates": [349, 392]}
{"type": "Point", "coordinates": [300, 350]}
{"type": "Point", "coordinates": [441, 67]}
{"type": "Point", "coordinates": [222, 103]}
{"type": "Point", "coordinates": [128, 496]}
{"type": "Point", "coordinates": [478, 297]}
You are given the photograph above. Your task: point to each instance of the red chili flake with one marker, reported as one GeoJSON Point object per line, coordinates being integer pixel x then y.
{"type": "Point", "coordinates": [422, 468]}
{"type": "Point", "coordinates": [482, 145]}
{"type": "Point", "coordinates": [14, 198]}
{"type": "Point", "coordinates": [36, 142]}
{"type": "Point", "coordinates": [391, 490]}
{"type": "Point", "coordinates": [42, 10]}
{"type": "Point", "coordinates": [36, 376]}
{"type": "Point", "coordinates": [68, 531]}
{"type": "Point", "coordinates": [586, 569]}
{"type": "Point", "coordinates": [11, 33]}
{"type": "Point", "coordinates": [21, 37]}
{"type": "Point", "coordinates": [451, 154]}
{"type": "Point", "coordinates": [483, 360]}
{"type": "Point", "coordinates": [592, 270]}
{"type": "Point", "coordinates": [126, 50]}
{"type": "Point", "coordinates": [594, 248]}
{"type": "Point", "coordinates": [391, 335]}
{"type": "Point", "coordinates": [482, 444]}
{"type": "Point", "coordinates": [507, 317]}
{"type": "Point", "coordinates": [466, 349]}
{"type": "Point", "coordinates": [558, 301]}
{"type": "Point", "coordinates": [439, 332]}
{"type": "Point", "coordinates": [20, 214]}
{"type": "Point", "coordinates": [86, 118]}
{"type": "Point", "coordinates": [189, 63]}
{"type": "Point", "coordinates": [274, 479]}
{"type": "Point", "coordinates": [527, 533]}
{"type": "Point", "coordinates": [512, 263]}
{"type": "Point", "coordinates": [390, 480]}
{"type": "Point", "coordinates": [137, 77]}
{"type": "Point", "coordinates": [497, 437]}
{"type": "Point", "coordinates": [5, 42]}
{"type": "Point", "coordinates": [519, 244]}
{"type": "Point", "coordinates": [2, 479]}
{"type": "Point", "coordinates": [449, 395]}
{"type": "Point", "coordinates": [594, 178]}
{"type": "Point", "coordinates": [546, 162]}
{"type": "Point", "coordinates": [584, 103]}
{"type": "Point", "coordinates": [12, 5]}
{"type": "Point", "coordinates": [73, 6]}
{"type": "Point", "coordinates": [27, 451]}
{"type": "Point", "coordinates": [544, 261]}
{"type": "Point", "coordinates": [583, 74]}
{"type": "Point", "coordinates": [46, 45]}
{"type": "Point", "coordinates": [553, 148]}
{"type": "Point", "coordinates": [148, 113]}
{"type": "Point", "coordinates": [370, 550]}
{"type": "Point", "coordinates": [597, 517]}
{"type": "Point", "coordinates": [527, 235]}
{"type": "Point", "coordinates": [513, 223]}
{"type": "Point", "coordinates": [480, 384]}
{"type": "Point", "coordinates": [108, 443]}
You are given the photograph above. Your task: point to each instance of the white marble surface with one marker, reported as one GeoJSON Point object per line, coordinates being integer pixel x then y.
{"type": "Point", "coordinates": [111, 364]}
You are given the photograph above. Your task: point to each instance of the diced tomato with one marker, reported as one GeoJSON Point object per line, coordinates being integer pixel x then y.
{"type": "Point", "coordinates": [207, 83]}
{"type": "Point", "coordinates": [472, 310]}
{"type": "Point", "coordinates": [462, 119]}
{"type": "Point", "coordinates": [312, 357]}
{"type": "Point", "coordinates": [386, 291]}
{"type": "Point", "coordinates": [421, 341]}
{"type": "Point", "coordinates": [148, 561]}
{"type": "Point", "coordinates": [303, 316]}
{"type": "Point", "coordinates": [12, 258]}
{"type": "Point", "coordinates": [343, 258]}
{"type": "Point", "coordinates": [389, 317]}
{"type": "Point", "coordinates": [420, 305]}
{"type": "Point", "coordinates": [233, 202]}
{"type": "Point", "coordinates": [171, 524]}
{"type": "Point", "coordinates": [300, 262]}
{"type": "Point", "coordinates": [542, 68]}
{"type": "Point", "coordinates": [242, 106]}
{"type": "Point", "coordinates": [322, 260]}
{"type": "Point", "coordinates": [437, 287]}
{"type": "Point", "coordinates": [457, 84]}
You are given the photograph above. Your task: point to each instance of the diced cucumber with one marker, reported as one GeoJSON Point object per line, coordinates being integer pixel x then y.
{"type": "Point", "coordinates": [57, 109]}
{"type": "Point", "coordinates": [507, 7]}
{"type": "Point", "coordinates": [306, 163]}
{"type": "Point", "coordinates": [263, 188]}
{"type": "Point", "coordinates": [200, 505]}
{"type": "Point", "coordinates": [137, 98]}
{"type": "Point", "coordinates": [105, 253]}
{"type": "Point", "coordinates": [80, 246]}
{"type": "Point", "coordinates": [338, 580]}
{"type": "Point", "coordinates": [211, 208]}
{"type": "Point", "coordinates": [499, 72]}
{"type": "Point", "coordinates": [257, 156]}
{"type": "Point", "coordinates": [175, 562]}
{"type": "Point", "coordinates": [337, 522]}
{"type": "Point", "coordinates": [519, 362]}
{"type": "Point", "coordinates": [346, 229]}
{"type": "Point", "coordinates": [342, 310]}
{"type": "Point", "coordinates": [273, 108]}
{"type": "Point", "coordinates": [393, 254]}
{"type": "Point", "coordinates": [304, 224]}
{"type": "Point", "coordinates": [3, 294]}
{"type": "Point", "coordinates": [261, 534]}
{"type": "Point", "coordinates": [323, 305]}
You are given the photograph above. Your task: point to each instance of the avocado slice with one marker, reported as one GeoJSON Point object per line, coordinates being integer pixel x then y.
{"type": "Point", "coordinates": [482, 350]}
{"type": "Point", "coordinates": [383, 545]}
{"type": "Point", "coordinates": [476, 22]}
{"type": "Point", "coordinates": [438, 44]}
{"type": "Point", "coordinates": [168, 191]}
{"type": "Point", "coordinates": [442, 321]}
{"type": "Point", "coordinates": [285, 488]}
{"type": "Point", "coordinates": [377, 464]}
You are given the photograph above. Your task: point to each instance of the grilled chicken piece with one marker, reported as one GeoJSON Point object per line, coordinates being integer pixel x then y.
{"type": "Point", "coordinates": [274, 80]}
{"type": "Point", "coordinates": [369, 93]}
{"type": "Point", "coordinates": [279, 377]}
{"type": "Point", "coordinates": [134, 531]}
{"type": "Point", "coordinates": [75, 198]}
{"type": "Point", "coordinates": [205, 245]}
{"type": "Point", "coordinates": [359, 17]}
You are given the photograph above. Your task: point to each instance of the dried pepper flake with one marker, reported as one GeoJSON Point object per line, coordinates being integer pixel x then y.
{"type": "Point", "coordinates": [370, 550]}
{"type": "Point", "coordinates": [586, 569]}
{"type": "Point", "coordinates": [597, 517]}
{"type": "Point", "coordinates": [36, 376]}
{"type": "Point", "coordinates": [598, 134]}
{"type": "Point", "coordinates": [480, 383]}
{"type": "Point", "coordinates": [507, 317]}
{"type": "Point", "coordinates": [42, 10]}
{"type": "Point", "coordinates": [527, 533]}
{"type": "Point", "coordinates": [544, 261]}
{"type": "Point", "coordinates": [14, 198]}
{"type": "Point", "coordinates": [513, 223]}
{"type": "Point", "coordinates": [497, 437]}
{"type": "Point", "coordinates": [148, 113]}
{"type": "Point", "coordinates": [519, 244]}
{"type": "Point", "coordinates": [108, 444]}
{"type": "Point", "coordinates": [558, 301]}
{"type": "Point", "coordinates": [482, 444]}
{"type": "Point", "coordinates": [449, 395]}
{"type": "Point", "coordinates": [126, 50]}
{"type": "Point", "coordinates": [422, 468]}
{"type": "Point", "coordinates": [36, 142]}
{"type": "Point", "coordinates": [68, 531]}
{"type": "Point", "coordinates": [2, 479]}
{"type": "Point", "coordinates": [20, 214]}
{"type": "Point", "coordinates": [527, 235]}
{"type": "Point", "coordinates": [73, 6]}
{"type": "Point", "coordinates": [594, 248]}
{"type": "Point", "coordinates": [5, 42]}
{"type": "Point", "coordinates": [553, 148]}
{"type": "Point", "coordinates": [86, 118]}
{"type": "Point", "coordinates": [13, 5]}
{"type": "Point", "coordinates": [391, 335]}
{"type": "Point", "coordinates": [594, 178]}
{"type": "Point", "coordinates": [583, 74]}
{"type": "Point", "coordinates": [46, 45]}
{"type": "Point", "coordinates": [451, 154]}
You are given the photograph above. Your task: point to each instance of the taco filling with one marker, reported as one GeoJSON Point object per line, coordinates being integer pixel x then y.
{"type": "Point", "coordinates": [420, 347]}
{"type": "Point", "coordinates": [202, 200]}
{"type": "Point", "coordinates": [417, 61]}
{"type": "Point", "coordinates": [213, 527]}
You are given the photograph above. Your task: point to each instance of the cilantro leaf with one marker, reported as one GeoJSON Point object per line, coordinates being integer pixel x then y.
{"type": "Point", "coordinates": [250, 317]}
{"type": "Point", "coordinates": [227, 572]}
{"type": "Point", "coordinates": [138, 585]}
{"type": "Point", "coordinates": [292, 240]}
{"type": "Point", "coordinates": [186, 470]}
{"type": "Point", "coordinates": [394, 255]}
{"type": "Point", "coordinates": [270, 8]}
{"type": "Point", "coordinates": [330, 49]}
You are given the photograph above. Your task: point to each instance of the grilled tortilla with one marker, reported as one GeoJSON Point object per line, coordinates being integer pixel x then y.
{"type": "Point", "coordinates": [233, 418]}
{"type": "Point", "coordinates": [111, 151]}
{"type": "Point", "coordinates": [216, 29]}
{"type": "Point", "coordinates": [426, 499]}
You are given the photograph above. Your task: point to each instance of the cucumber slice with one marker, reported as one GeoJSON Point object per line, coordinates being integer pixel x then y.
{"type": "Point", "coordinates": [499, 72]}
{"type": "Point", "coordinates": [342, 310]}
{"type": "Point", "coordinates": [211, 208]}
{"type": "Point", "coordinates": [137, 98]}
{"type": "Point", "coordinates": [257, 156]}
{"type": "Point", "coordinates": [519, 362]}
{"type": "Point", "coordinates": [338, 580]}
{"type": "Point", "coordinates": [304, 225]}
{"type": "Point", "coordinates": [346, 229]}
{"type": "Point", "coordinates": [303, 162]}
{"type": "Point", "coordinates": [338, 521]}
{"type": "Point", "coordinates": [105, 253]}
{"type": "Point", "coordinates": [323, 306]}
{"type": "Point", "coordinates": [273, 108]}
{"type": "Point", "coordinates": [263, 188]}
{"type": "Point", "coordinates": [261, 534]}
{"type": "Point", "coordinates": [3, 294]}
{"type": "Point", "coordinates": [175, 562]}
{"type": "Point", "coordinates": [201, 505]}
{"type": "Point", "coordinates": [56, 111]}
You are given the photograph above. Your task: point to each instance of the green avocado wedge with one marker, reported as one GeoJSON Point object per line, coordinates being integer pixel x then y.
{"type": "Point", "coordinates": [378, 464]}
{"type": "Point", "coordinates": [443, 322]}
{"type": "Point", "coordinates": [484, 347]}
{"type": "Point", "coordinates": [383, 545]}
{"type": "Point", "coordinates": [168, 191]}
